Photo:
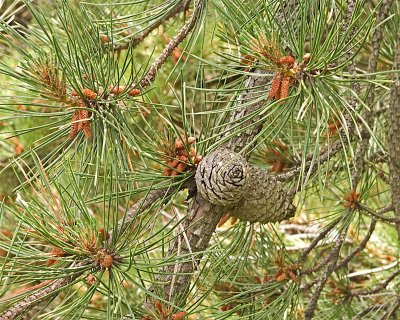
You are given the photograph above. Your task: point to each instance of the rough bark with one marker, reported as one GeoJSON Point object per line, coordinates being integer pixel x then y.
{"type": "Point", "coordinates": [368, 117]}
{"type": "Point", "coordinates": [32, 300]}
{"type": "Point", "coordinates": [203, 214]}
{"type": "Point", "coordinates": [174, 42]}
{"type": "Point", "coordinates": [394, 135]}
{"type": "Point", "coordinates": [199, 227]}
{"type": "Point", "coordinates": [252, 98]}
{"type": "Point", "coordinates": [181, 6]}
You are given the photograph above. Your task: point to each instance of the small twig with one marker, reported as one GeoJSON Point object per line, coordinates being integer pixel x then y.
{"type": "Point", "coordinates": [315, 242]}
{"type": "Point", "coordinates": [368, 116]}
{"type": "Point", "coordinates": [348, 258]}
{"type": "Point", "coordinates": [181, 6]}
{"type": "Point", "coordinates": [368, 310]}
{"type": "Point", "coordinates": [377, 215]}
{"type": "Point", "coordinates": [359, 248]}
{"type": "Point", "coordinates": [143, 204]}
{"type": "Point", "coordinates": [173, 43]}
{"type": "Point", "coordinates": [394, 135]}
{"type": "Point", "coordinates": [334, 256]}
{"type": "Point", "coordinates": [326, 155]}
{"type": "Point", "coordinates": [307, 286]}
{"type": "Point", "coordinates": [373, 270]}
{"type": "Point", "coordinates": [23, 306]}
{"type": "Point", "coordinates": [379, 287]}
{"type": "Point", "coordinates": [392, 310]}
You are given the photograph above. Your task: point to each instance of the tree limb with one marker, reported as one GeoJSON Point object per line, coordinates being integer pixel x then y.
{"type": "Point", "coordinates": [394, 135]}
{"type": "Point", "coordinates": [181, 6]}
{"type": "Point", "coordinates": [173, 43]}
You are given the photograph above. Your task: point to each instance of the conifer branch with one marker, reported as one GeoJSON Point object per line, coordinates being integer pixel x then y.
{"type": "Point", "coordinates": [393, 118]}
{"type": "Point", "coordinates": [50, 290]}
{"type": "Point", "coordinates": [181, 6]}
{"type": "Point", "coordinates": [150, 76]}
{"type": "Point", "coordinates": [361, 246]}
{"type": "Point", "coordinates": [37, 297]}
{"type": "Point", "coordinates": [368, 116]}
{"type": "Point", "coordinates": [378, 288]}
{"type": "Point", "coordinates": [361, 151]}
{"type": "Point", "coordinates": [203, 215]}
{"type": "Point", "coordinates": [331, 263]}
{"type": "Point", "coordinates": [320, 236]}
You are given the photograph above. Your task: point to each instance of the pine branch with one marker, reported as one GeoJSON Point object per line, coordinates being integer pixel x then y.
{"type": "Point", "coordinates": [34, 299]}
{"type": "Point", "coordinates": [25, 305]}
{"type": "Point", "coordinates": [359, 162]}
{"type": "Point", "coordinates": [330, 151]}
{"type": "Point", "coordinates": [334, 256]}
{"type": "Point", "coordinates": [146, 202]}
{"type": "Point", "coordinates": [361, 246]}
{"type": "Point", "coordinates": [203, 216]}
{"type": "Point", "coordinates": [394, 135]}
{"type": "Point", "coordinates": [173, 43]}
{"type": "Point", "coordinates": [181, 6]}
{"type": "Point", "coordinates": [367, 310]}
{"type": "Point", "coordinates": [378, 215]}
{"type": "Point", "coordinates": [360, 156]}
{"type": "Point", "coordinates": [377, 288]}
{"type": "Point", "coordinates": [320, 236]}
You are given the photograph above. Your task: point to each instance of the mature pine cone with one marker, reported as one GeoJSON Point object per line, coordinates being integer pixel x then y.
{"type": "Point", "coordinates": [225, 178]}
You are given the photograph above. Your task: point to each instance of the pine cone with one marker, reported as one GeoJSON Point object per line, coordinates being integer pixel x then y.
{"type": "Point", "coordinates": [266, 201]}
{"type": "Point", "coordinates": [225, 178]}
{"type": "Point", "coordinates": [221, 177]}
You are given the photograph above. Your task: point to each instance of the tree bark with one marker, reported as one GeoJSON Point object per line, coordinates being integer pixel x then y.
{"type": "Point", "coordinates": [394, 135]}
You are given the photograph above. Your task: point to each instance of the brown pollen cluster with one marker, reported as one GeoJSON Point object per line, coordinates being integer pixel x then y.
{"type": "Point", "coordinates": [181, 160]}
{"type": "Point", "coordinates": [80, 117]}
{"type": "Point", "coordinates": [165, 313]}
{"type": "Point", "coordinates": [351, 199]}
{"type": "Point", "coordinates": [283, 79]}
{"type": "Point", "coordinates": [117, 90]}
{"type": "Point", "coordinates": [284, 271]}
{"type": "Point", "coordinates": [105, 259]}
{"type": "Point", "coordinates": [277, 156]}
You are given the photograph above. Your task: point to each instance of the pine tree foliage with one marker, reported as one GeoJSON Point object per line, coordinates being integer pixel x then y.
{"type": "Point", "coordinates": [115, 116]}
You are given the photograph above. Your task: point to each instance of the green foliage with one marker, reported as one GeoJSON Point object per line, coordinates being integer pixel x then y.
{"type": "Point", "coordinates": [66, 69]}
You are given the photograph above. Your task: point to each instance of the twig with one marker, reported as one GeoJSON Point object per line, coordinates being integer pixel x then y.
{"type": "Point", "coordinates": [23, 306]}
{"type": "Point", "coordinates": [368, 310]}
{"type": "Point", "coordinates": [326, 155]}
{"type": "Point", "coordinates": [315, 242]}
{"type": "Point", "coordinates": [394, 135]}
{"type": "Point", "coordinates": [309, 313]}
{"type": "Point", "coordinates": [392, 311]}
{"type": "Point", "coordinates": [379, 287]}
{"type": "Point", "coordinates": [377, 215]}
{"type": "Point", "coordinates": [181, 6]}
{"type": "Point", "coordinates": [359, 162]}
{"type": "Point", "coordinates": [350, 256]}
{"type": "Point", "coordinates": [173, 43]}
{"type": "Point", "coordinates": [143, 204]}
{"type": "Point", "coordinates": [359, 248]}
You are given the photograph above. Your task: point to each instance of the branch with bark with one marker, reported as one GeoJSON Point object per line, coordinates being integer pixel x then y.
{"type": "Point", "coordinates": [173, 43]}
{"type": "Point", "coordinates": [394, 135]}
{"type": "Point", "coordinates": [181, 6]}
